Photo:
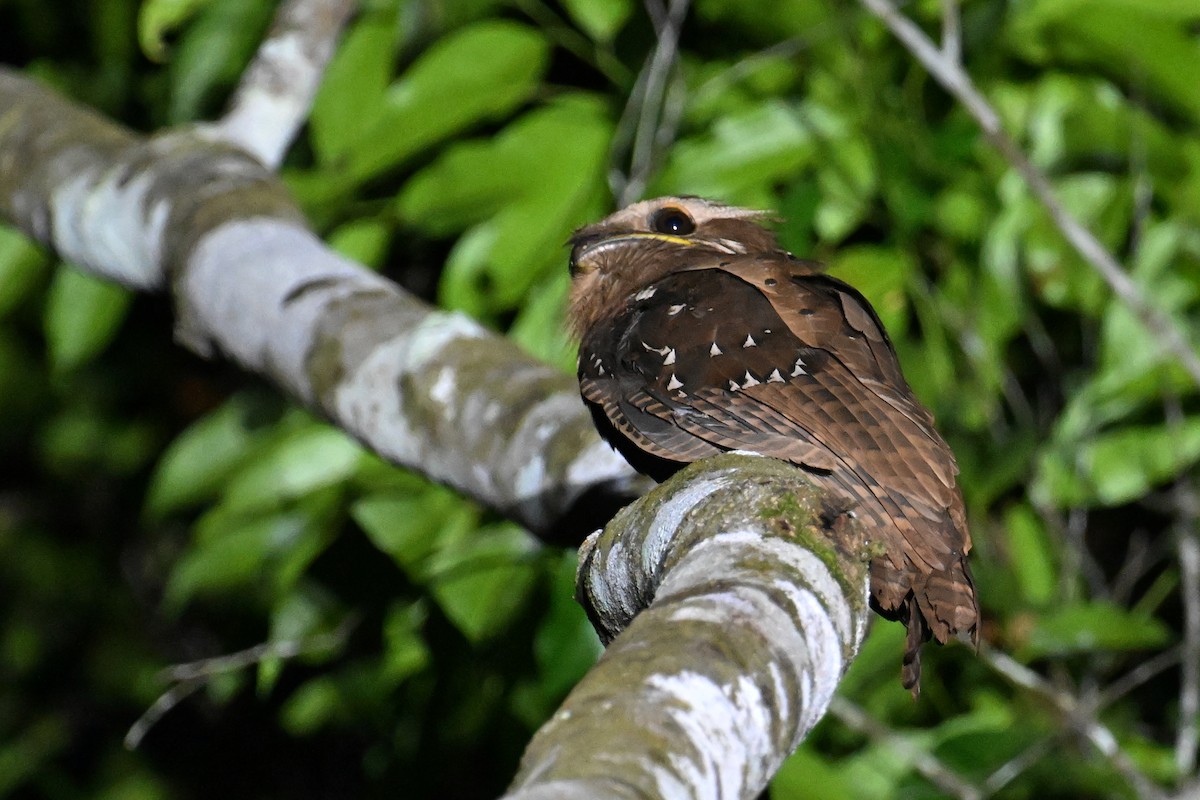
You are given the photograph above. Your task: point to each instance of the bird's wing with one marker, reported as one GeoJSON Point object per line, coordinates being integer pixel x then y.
{"type": "Point", "coordinates": [749, 353]}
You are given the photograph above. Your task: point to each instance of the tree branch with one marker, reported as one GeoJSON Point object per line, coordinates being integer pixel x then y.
{"type": "Point", "coordinates": [755, 602]}
{"type": "Point", "coordinates": [428, 390]}
{"type": "Point", "coordinates": [947, 70]}
{"type": "Point", "coordinates": [273, 99]}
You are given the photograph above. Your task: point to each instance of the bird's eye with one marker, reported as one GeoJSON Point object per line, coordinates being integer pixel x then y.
{"type": "Point", "coordinates": [674, 221]}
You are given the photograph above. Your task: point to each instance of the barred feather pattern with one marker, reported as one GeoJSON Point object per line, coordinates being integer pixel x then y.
{"type": "Point", "coordinates": [714, 350]}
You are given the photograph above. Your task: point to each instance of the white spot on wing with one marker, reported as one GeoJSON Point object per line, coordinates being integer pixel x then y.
{"type": "Point", "coordinates": [749, 341]}
{"type": "Point", "coordinates": [775, 377]}
{"type": "Point", "coordinates": [733, 387]}
{"type": "Point", "coordinates": [673, 310]}
{"type": "Point", "coordinates": [674, 383]}
{"type": "Point", "coordinates": [645, 294]}
{"type": "Point", "coordinates": [714, 351]}
{"type": "Point", "coordinates": [799, 370]}
{"type": "Point", "coordinates": [670, 359]}
{"type": "Point", "coordinates": [750, 381]}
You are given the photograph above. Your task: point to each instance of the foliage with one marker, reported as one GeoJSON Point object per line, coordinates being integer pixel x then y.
{"type": "Point", "coordinates": [158, 509]}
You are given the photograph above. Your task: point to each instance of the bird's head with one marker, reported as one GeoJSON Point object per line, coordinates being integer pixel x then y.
{"type": "Point", "coordinates": [641, 243]}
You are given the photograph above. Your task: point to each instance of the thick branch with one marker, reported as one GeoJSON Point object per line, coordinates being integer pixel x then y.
{"type": "Point", "coordinates": [428, 390]}
{"type": "Point", "coordinates": [274, 96]}
{"type": "Point", "coordinates": [755, 603]}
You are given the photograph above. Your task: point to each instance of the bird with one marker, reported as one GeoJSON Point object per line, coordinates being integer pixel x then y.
{"type": "Point", "coordinates": [699, 334]}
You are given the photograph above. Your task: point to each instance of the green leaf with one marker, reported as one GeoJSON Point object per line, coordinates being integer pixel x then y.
{"type": "Point", "coordinates": [304, 461]}
{"type": "Point", "coordinates": [197, 463]}
{"type": "Point", "coordinates": [807, 775]}
{"type": "Point", "coordinates": [212, 53]}
{"type": "Point", "coordinates": [83, 439]}
{"type": "Point", "coordinates": [600, 19]}
{"type": "Point", "coordinates": [267, 552]}
{"type": "Point", "coordinates": [1092, 628]}
{"type": "Point", "coordinates": [523, 192]}
{"type": "Point", "coordinates": [83, 314]}
{"type": "Point", "coordinates": [300, 618]}
{"type": "Point", "coordinates": [311, 706]}
{"type": "Point", "coordinates": [22, 265]}
{"type": "Point", "coordinates": [1031, 556]}
{"type": "Point", "coordinates": [740, 157]}
{"type": "Point", "coordinates": [411, 527]}
{"type": "Point", "coordinates": [158, 18]}
{"type": "Point", "coordinates": [481, 584]}
{"type": "Point", "coordinates": [848, 182]}
{"type": "Point", "coordinates": [353, 86]}
{"type": "Point", "coordinates": [540, 326]}
{"type": "Point", "coordinates": [566, 645]}
{"type": "Point", "coordinates": [1127, 463]}
{"type": "Point", "coordinates": [1116, 466]}
{"type": "Point", "coordinates": [363, 240]}
{"type": "Point", "coordinates": [232, 552]}
{"type": "Point", "coordinates": [881, 274]}
{"type": "Point", "coordinates": [1125, 38]}
{"type": "Point", "coordinates": [446, 91]}
{"type": "Point", "coordinates": [405, 652]}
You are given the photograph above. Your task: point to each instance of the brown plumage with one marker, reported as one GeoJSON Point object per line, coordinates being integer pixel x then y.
{"type": "Point", "coordinates": [699, 335]}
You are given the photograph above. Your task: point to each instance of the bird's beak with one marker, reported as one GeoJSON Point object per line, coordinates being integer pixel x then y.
{"type": "Point", "coordinates": [586, 255]}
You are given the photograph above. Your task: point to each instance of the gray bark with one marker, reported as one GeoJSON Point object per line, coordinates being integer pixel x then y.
{"type": "Point", "coordinates": [744, 604]}
{"type": "Point", "coordinates": [428, 390]}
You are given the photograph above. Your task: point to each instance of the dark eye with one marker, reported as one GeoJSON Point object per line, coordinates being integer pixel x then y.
{"type": "Point", "coordinates": [674, 221]}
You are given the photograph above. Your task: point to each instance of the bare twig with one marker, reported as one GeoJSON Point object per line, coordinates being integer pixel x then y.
{"type": "Point", "coordinates": [1141, 556]}
{"type": "Point", "coordinates": [748, 65]}
{"type": "Point", "coordinates": [272, 101]}
{"type": "Point", "coordinates": [951, 32]}
{"type": "Point", "coordinates": [194, 675]}
{"type": "Point", "coordinates": [165, 702]}
{"type": "Point", "coordinates": [1187, 738]}
{"type": "Point", "coordinates": [950, 74]}
{"type": "Point", "coordinates": [1012, 768]}
{"type": "Point", "coordinates": [206, 668]}
{"type": "Point", "coordinates": [1077, 559]}
{"type": "Point", "coordinates": [927, 764]}
{"type": "Point", "coordinates": [1079, 716]}
{"type": "Point", "coordinates": [655, 105]}
{"type": "Point", "coordinates": [1136, 677]}
{"type": "Point", "coordinates": [601, 57]}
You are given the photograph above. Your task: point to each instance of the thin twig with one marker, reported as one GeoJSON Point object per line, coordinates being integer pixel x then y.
{"type": "Point", "coordinates": [1011, 769]}
{"type": "Point", "coordinates": [951, 32]}
{"type": "Point", "coordinates": [653, 128]}
{"type": "Point", "coordinates": [1136, 677]}
{"type": "Point", "coordinates": [1141, 556]}
{"type": "Point", "coordinates": [955, 80]}
{"type": "Point", "coordinates": [276, 92]}
{"type": "Point", "coordinates": [1187, 737]}
{"type": "Point", "coordinates": [1079, 716]}
{"type": "Point", "coordinates": [287, 648]}
{"type": "Point", "coordinates": [927, 764]}
{"type": "Point", "coordinates": [1078, 561]}
{"type": "Point", "coordinates": [187, 678]}
{"type": "Point", "coordinates": [165, 702]}
{"type": "Point", "coordinates": [571, 40]}
{"type": "Point", "coordinates": [748, 65]}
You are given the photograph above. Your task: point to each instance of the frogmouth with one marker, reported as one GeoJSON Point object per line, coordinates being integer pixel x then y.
{"type": "Point", "coordinates": [699, 334]}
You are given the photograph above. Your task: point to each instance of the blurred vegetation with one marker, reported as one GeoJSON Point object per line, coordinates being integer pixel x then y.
{"type": "Point", "coordinates": [156, 509]}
